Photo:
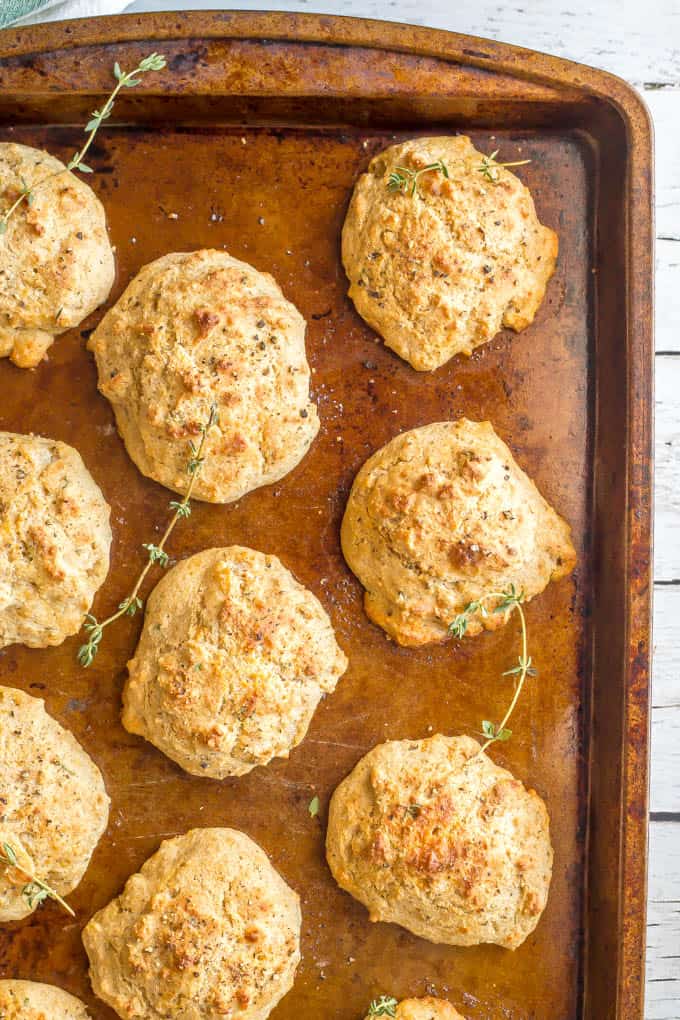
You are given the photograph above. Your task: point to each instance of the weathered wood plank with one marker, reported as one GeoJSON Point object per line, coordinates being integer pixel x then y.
{"type": "Point", "coordinates": [665, 771]}
{"type": "Point", "coordinates": [667, 291]}
{"type": "Point", "coordinates": [664, 106]}
{"type": "Point", "coordinates": [666, 683]}
{"type": "Point", "coordinates": [665, 109]}
{"type": "Point", "coordinates": [667, 487]}
{"type": "Point", "coordinates": [665, 778]}
{"type": "Point", "coordinates": [663, 923]}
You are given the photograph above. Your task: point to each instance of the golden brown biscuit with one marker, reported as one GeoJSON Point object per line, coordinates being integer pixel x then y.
{"type": "Point", "coordinates": [440, 516]}
{"type": "Point", "coordinates": [432, 835]}
{"type": "Point", "coordinates": [197, 329]}
{"type": "Point", "coordinates": [56, 262]}
{"type": "Point", "coordinates": [30, 1000]}
{"type": "Point", "coordinates": [54, 540]}
{"type": "Point", "coordinates": [440, 272]}
{"type": "Point", "coordinates": [54, 806]}
{"type": "Point", "coordinates": [234, 657]}
{"type": "Point", "coordinates": [206, 929]}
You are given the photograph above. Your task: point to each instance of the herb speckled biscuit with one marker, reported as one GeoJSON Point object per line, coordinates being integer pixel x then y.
{"type": "Point", "coordinates": [432, 835]}
{"type": "Point", "coordinates": [30, 1000]}
{"type": "Point", "coordinates": [233, 659]}
{"type": "Point", "coordinates": [54, 540]}
{"type": "Point", "coordinates": [56, 262]}
{"type": "Point", "coordinates": [199, 328]}
{"type": "Point", "coordinates": [440, 272]}
{"type": "Point", "coordinates": [420, 1009]}
{"type": "Point", "coordinates": [207, 929]}
{"type": "Point", "coordinates": [53, 807]}
{"type": "Point", "coordinates": [441, 516]}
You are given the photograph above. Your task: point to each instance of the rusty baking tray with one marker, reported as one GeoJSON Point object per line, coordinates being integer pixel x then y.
{"type": "Point", "coordinates": [254, 136]}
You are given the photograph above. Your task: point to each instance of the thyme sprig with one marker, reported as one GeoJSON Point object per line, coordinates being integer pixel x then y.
{"type": "Point", "coordinates": [35, 890]}
{"type": "Point", "coordinates": [124, 80]}
{"type": "Point", "coordinates": [490, 169]}
{"type": "Point", "coordinates": [506, 601]}
{"type": "Point", "coordinates": [156, 554]}
{"type": "Point", "coordinates": [384, 1006]}
{"type": "Point", "coordinates": [404, 179]}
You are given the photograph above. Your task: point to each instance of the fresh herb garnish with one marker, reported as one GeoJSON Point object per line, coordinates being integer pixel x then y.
{"type": "Point", "coordinates": [183, 509]}
{"type": "Point", "coordinates": [384, 1006]}
{"type": "Point", "coordinates": [490, 169]}
{"type": "Point", "coordinates": [506, 602]}
{"type": "Point", "coordinates": [156, 553]}
{"type": "Point", "coordinates": [35, 890]}
{"type": "Point", "coordinates": [404, 179]}
{"type": "Point", "coordinates": [124, 79]}
{"type": "Point", "coordinates": [314, 806]}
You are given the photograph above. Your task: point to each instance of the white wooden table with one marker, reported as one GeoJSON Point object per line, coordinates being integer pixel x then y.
{"type": "Point", "coordinates": [641, 43]}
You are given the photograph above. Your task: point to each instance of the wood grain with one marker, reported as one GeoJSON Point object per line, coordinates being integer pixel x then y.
{"type": "Point", "coordinates": [667, 515]}
{"type": "Point", "coordinates": [665, 795]}
{"type": "Point", "coordinates": [663, 942]}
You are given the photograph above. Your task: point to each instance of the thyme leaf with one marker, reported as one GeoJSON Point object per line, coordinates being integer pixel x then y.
{"type": "Point", "coordinates": [131, 605]}
{"type": "Point", "coordinates": [9, 856]}
{"type": "Point", "coordinates": [34, 894]}
{"type": "Point", "coordinates": [183, 509]}
{"type": "Point", "coordinates": [405, 179]}
{"type": "Point", "coordinates": [156, 554]}
{"type": "Point", "coordinates": [384, 1006]}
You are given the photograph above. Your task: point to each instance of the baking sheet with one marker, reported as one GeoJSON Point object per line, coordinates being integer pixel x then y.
{"type": "Point", "coordinates": [255, 146]}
